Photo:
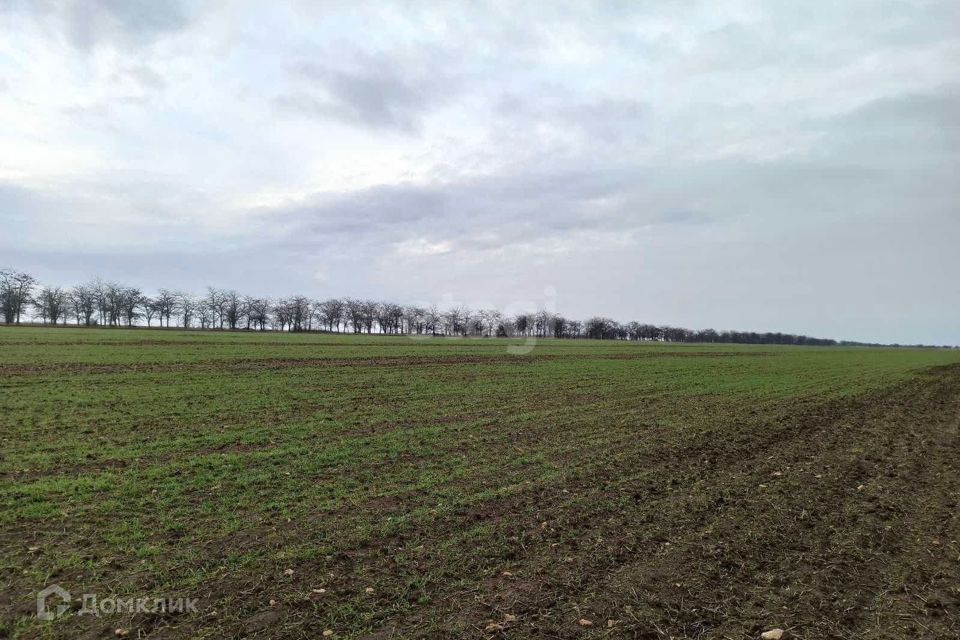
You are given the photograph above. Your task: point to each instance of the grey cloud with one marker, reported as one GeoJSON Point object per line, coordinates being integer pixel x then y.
{"type": "Point", "coordinates": [372, 210]}
{"type": "Point", "coordinates": [376, 92]}
{"type": "Point", "coordinates": [144, 76]}
{"type": "Point", "coordinates": [932, 115]}
{"type": "Point", "coordinates": [18, 203]}
{"type": "Point", "coordinates": [105, 215]}
{"type": "Point", "coordinates": [899, 155]}
{"type": "Point", "coordinates": [125, 21]}
{"type": "Point", "coordinates": [488, 213]}
{"type": "Point", "coordinates": [599, 118]}
{"type": "Point", "coordinates": [685, 216]}
{"type": "Point", "coordinates": [87, 24]}
{"type": "Point", "coordinates": [782, 34]}
{"type": "Point", "coordinates": [841, 175]}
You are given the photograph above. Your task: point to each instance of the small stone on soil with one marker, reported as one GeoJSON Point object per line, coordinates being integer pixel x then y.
{"type": "Point", "coordinates": [773, 634]}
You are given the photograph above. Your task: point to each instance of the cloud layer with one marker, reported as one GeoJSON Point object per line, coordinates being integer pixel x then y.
{"type": "Point", "coordinates": [791, 166]}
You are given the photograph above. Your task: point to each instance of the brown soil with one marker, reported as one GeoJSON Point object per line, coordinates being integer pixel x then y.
{"type": "Point", "coordinates": [247, 364]}
{"type": "Point", "coordinates": [833, 520]}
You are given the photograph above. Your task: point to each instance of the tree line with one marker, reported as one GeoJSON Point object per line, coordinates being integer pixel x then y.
{"type": "Point", "coordinates": [106, 303]}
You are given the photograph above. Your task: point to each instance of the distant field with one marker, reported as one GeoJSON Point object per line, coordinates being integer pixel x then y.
{"type": "Point", "coordinates": [448, 488]}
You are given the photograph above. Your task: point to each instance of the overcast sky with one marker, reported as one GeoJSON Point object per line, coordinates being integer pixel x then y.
{"type": "Point", "coordinates": [780, 165]}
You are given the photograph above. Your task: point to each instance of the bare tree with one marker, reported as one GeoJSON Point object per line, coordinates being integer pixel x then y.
{"type": "Point", "coordinates": [523, 323]}
{"type": "Point", "coordinates": [416, 319]}
{"type": "Point", "coordinates": [98, 289]}
{"type": "Point", "coordinates": [150, 308]}
{"type": "Point", "coordinates": [433, 320]}
{"type": "Point", "coordinates": [186, 306]}
{"type": "Point", "coordinates": [575, 329]}
{"type": "Point", "coordinates": [354, 309]}
{"type": "Point", "coordinates": [113, 295]}
{"type": "Point", "coordinates": [51, 304]}
{"type": "Point", "coordinates": [84, 304]}
{"type": "Point", "coordinates": [258, 312]}
{"type": "Point", "coordinates": [204, 315]}
{"type": "Point", "coordinates": [232, 308]}
{"type": "Point", "coordinates": [491, 321]}
{"type": "Point", "coordinates": [395, 315]}
{"type": "Point", "coordinates": [455, 321]}
{"type": "Point", "coordinates": [15, 290]}
{"type": "Point", "coordinates": [330, 313]}
{"type": "Point", "coordinates": [215, 301]}
{"type": "Point", "coordinates": [389, 317]}
{"type": "Point", "coordinates": [131, 301]}
{"type": "Point", "coordinates": [601, 328]}
{"type": "Point", "coordinates": [368, 314]}
{"type": "Point", "coordinates": [558, 325]}
{"type": "Point", "coordinates": [166, 302]}
{"type": "Point", "coordinates": [299, 311]}
{"type": "Point", "coordinates": [541, 323]}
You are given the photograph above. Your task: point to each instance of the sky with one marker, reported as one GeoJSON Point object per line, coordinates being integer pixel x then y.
{"type": "Point", "coordinates": [782, 165]}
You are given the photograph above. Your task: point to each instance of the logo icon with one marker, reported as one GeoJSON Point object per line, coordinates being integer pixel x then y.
{"type": "Point", "coordinates": [44, 611]}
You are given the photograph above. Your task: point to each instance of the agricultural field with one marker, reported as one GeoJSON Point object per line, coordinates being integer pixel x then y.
{"type": "Point", "coordinates": [316, 485]}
